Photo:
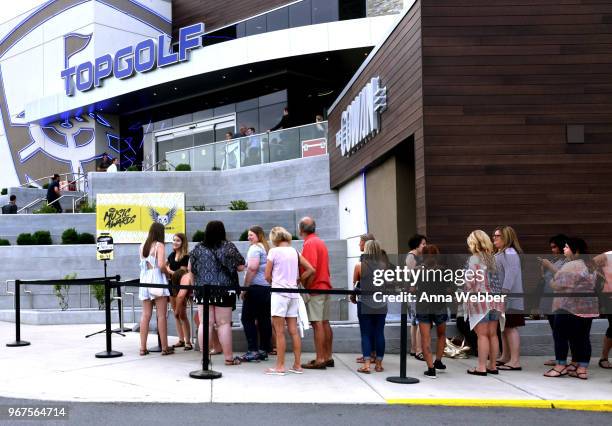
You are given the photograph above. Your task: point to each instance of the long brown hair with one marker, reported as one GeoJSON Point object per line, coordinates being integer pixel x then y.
{"type": "Point", "coordinates": [184, 250]}
{"type": "Point", "coordinates": [258, 230]}
{"type": "Point", "coordinates": [157, 233]}
{"type": "Point", "coordinates": [510, 238]}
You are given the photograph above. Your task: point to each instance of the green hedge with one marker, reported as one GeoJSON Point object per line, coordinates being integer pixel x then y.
{"type": "Point", "coordinates": [238, 205]}
{"type": "Point", "coordinates": [88, 208]}
{"type": "Point", "coordinates": [70, 236]}
{"type": "Point", "coordinates": [183, 168]}
{"type": "Point", "coordinates": [244, 236]}
{"type": "Point", "coordinates": [198, 237]}
{"type": "Point", "coordinates": [86, 238]}
{"type": "Point", "coordinates": [46, 209]}
{"type": "Point", "coordinates": [5, 242]}
{"type": "Point", "coordinates": [4, 191]}
{"type": "Point", "coordinates": [133, 169]}
{"type": "Point", "coordinates": [39, 238]}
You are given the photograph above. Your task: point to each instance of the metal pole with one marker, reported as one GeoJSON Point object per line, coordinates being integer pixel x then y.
{"type": "Point", "coordinates": [108, 353]}
{"type": "Point", "coordinates": [18, 341]}
{"type": "Point", "coordinates": [205, 373]}
{"type": "Point", "coordinates": [402, 378]}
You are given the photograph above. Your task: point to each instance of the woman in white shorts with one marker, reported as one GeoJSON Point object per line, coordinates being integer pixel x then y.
{"type": "Point", "coordinates": [282, 271]}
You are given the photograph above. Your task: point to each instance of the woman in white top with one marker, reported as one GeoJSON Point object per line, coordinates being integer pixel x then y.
{"type": "Point", "coordinates": [152, 260]}
{"type": "Point", "coordinates": [282, 271]}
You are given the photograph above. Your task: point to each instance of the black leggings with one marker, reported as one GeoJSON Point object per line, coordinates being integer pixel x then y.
{"type": "Point", "coordinates": [571, 331]}
{"type": "Point", "coordinates": [256, 307]}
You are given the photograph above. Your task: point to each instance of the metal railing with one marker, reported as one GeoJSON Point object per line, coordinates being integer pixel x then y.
{"type": "Point", "coordinates": [76, 178]}
{"type": "Point", "coordinates": [75, 200]}
{"type": "Point", "coordinates": [155, 166]}
{"type": "Point", "coordinates": [27, 207]}
{"type": "Point", "coordinates": [287, 144]}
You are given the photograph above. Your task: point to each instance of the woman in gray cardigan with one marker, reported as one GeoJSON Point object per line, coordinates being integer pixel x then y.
{"type": "Point", "coordinates": [508, 262]}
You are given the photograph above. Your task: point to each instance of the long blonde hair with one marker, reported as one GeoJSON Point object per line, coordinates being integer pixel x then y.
{"type": "Point", "coordinates": [510, 238]}
{"type": "Point", "coordinates": [184, 250]}
{"type": "Point", "coordinates": [480, 245]}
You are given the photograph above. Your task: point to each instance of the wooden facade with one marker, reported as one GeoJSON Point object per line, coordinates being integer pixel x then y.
{"type": "Point", "coordinates": [218, 13]}
{"type": "Point", "coordinates": [505, 86]}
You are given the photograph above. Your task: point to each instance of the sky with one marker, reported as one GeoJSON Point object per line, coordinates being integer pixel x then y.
{"type": "Point", "coordinates": [10, 8]}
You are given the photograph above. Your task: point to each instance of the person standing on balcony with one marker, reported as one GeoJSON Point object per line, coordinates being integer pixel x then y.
{"type": "Point", "coordinates": [285, 121]}
{"type": "Point", "coordinates": [315, 252]}
{"type": "Point", "coordinates": [53, 193]}
{"type": "Point", "coordinates": [11, 207]}
{"type": "Point", "coordinates": [114, 167]}
{"type": "Point", "coordinates": [104, 163]}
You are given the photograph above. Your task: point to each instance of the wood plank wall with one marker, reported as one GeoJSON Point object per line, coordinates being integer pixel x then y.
{"type": "Point", "coordinates": [217, 13]}
{"type": "Point", "coordinates": [502, 80]}
{"type": "Point", "coordinates": [398, 63]}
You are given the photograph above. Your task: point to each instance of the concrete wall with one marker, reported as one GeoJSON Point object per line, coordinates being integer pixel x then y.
{"type": "Point", "coordinates": [301, 185]}
{"type": "Point", "coordinates": [27, 195]}
{"type": "Point", "coordinates": [235, 222]}
{"type": "Point", "coordinates": [55, 262]}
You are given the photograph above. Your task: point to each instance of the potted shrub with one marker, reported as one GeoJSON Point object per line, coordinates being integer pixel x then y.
{"type": "Point", "coordinates": [42, 238]}
{"type": "Point", "coordinates": [4, 242]}
{"type": "Point", "coordinates": [238, 205]}
{"type": "Point", "coordinates": [86, 238]}
{"type": "Point", "coordinates": [62, 291]}
{"type": "Point", "coordinates": [87, 208]}
{"type": "Point", "coordinates": [25, 239]}
{"type": "Point", "coordinates": [183, 168]}
{"type": "Point", "coordinates": [46, 209]}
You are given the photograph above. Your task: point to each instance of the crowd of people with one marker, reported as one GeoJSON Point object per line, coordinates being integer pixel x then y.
{"type": "Point", "coordinates": [271, 262]}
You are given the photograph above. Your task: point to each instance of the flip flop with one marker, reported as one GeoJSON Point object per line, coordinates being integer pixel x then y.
{"type": "Point", "coordinates": [505, 367]}
{"type": "Point", "coordinates": [274, 372]}
{"type": "Point", "coordinates": [296, 371]}
{"type": "Point", "coordinates": [364, 370]}
{"type": "Point", "coordinates": [475, 372]}
{"type": "Point", "coordinates": [601, 364]}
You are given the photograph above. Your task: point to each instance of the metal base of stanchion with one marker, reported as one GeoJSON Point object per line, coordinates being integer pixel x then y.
{"type": "Point", "coordinates": [155, 349]}
{"type": "Point", "coordinates": [18, 343]}
{"type": "Point", "coordinates": [121, 330]}
{"type": "Point", "coordinates": [403, 380]}
{"type": "Point", "coordinates": [109, 354]}
{"type": "Point", "coordinates": [205, 374]}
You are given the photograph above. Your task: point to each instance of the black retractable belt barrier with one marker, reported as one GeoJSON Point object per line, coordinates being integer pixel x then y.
{"type": "Point", "coordinates": [18, 341]}
{"type": "Point", "coordinates": [205, 373]}
{"type": "Point", "coordinates": [109, 352]}
{"type": "Point", "coordinates": [402, 378]}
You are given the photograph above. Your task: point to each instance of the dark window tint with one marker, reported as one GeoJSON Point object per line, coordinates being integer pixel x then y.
{"type": "Point", "coordinates": [324, 11]}
{"type": "Point", "coordinates": [248, 119]}
{"type": "Point", "coordinates": [245, 105]}
{"type": "Point", "coordinates": [225, 110]}
{"type": "Point", "coordinates": [269, 116]}
{"type": "Point", "coordinates": [256, 25]}
{"type": "Point", "coordinates": [278, 19]}
{"type": "Point", "coordinates": [300, 14]}
{"type": "Point", "coordinates": [351, 9]}
{"type": "Point", "coordinates": [219, 36]}
{"type": "Point", "coordinates": [203, 115]}
{"type": "Point", "coordinates": [203, 138]}
{"type": "Point", "coordinates": [273, 98]}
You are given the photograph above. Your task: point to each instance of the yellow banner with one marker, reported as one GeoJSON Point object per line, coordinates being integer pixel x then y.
{"type": "Point", "coordinates": [128, 217]}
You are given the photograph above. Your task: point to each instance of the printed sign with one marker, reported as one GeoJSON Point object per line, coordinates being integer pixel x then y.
{"type": "Point", "coordinates": [128, 217]}
{"type": "Point", "coordinates": [313, 147]}
{"type": "Point", "coordinates": [105, 247]}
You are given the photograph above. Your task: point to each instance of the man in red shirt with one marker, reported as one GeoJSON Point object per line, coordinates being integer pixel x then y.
{"type": "Point", "coordinates": [316, 253]}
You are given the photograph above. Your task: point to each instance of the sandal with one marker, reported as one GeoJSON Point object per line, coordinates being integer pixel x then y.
{"type": "Point", "coordinates": [360, 360]}
{"type": "Point", "coordinates": [475, 372]}
{"type": "Point", "coordinates": [180, 344]}
{"type": "Point", "coordinates": [579, 375]}
{"type": "Point", "coordinates": [144, 352]}
{"type": "Point", "coordinates": [313, 365]}
{"type": "Point", "coordinates": [167, 351]}
{"type": "Point", "coordinates": [604, 363]}
{"type": "Point", "coordinates": [188, 347]}
{"type": "Point", "coordinates": [364, 370]}
{"type": "Point", "coordinates": [235, 361]}
{"type": "Point", "coordinates": [273, 352]}
{"type": "Point", "coordinates": [420, 356]}
{"type": "Point", "coordinates": [553, 372]}
{"type": "Point", "coordinates": [296, 370]}
{"type": "Point", "coordinates": [506, 367]}
{"type": "Point", "coordinates": [214, 352]}
{"type": "Point", "coordinates": [550, 363]}
{"type": "Point", "coordinates": [379, 368]}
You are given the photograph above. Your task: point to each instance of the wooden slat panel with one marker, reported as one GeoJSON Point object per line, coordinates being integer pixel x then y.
{"type": "Point", "coordinates": [501, 80]}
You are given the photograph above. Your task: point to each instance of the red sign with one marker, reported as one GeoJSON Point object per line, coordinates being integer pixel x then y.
{"type": "Point", "coordinates": [314, 147]}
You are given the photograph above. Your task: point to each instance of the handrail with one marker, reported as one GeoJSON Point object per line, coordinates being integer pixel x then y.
{"type": "Point", "coordinates": [151, 167]}
{"type": "Point", "coordinates": [81, 176]}
{"type": "Point", "coordinates": [74, 197]}
{"type": "Point", "coordinates": [38, 200]}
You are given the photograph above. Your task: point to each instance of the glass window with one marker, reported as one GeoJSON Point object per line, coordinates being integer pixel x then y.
{"type": "Point", "coordinates": [203, 138]}
{"type": "Point", "coordinates": [324, 11]}
{"type": "Point", "coordinates": [300, 14]}
{"type": "Point", "coordinates": [248, 119]}
{"type": "Point", "coordinates": [204, 158]}
{"type": "Point", "coordinates": [183, 119]}
{"type": "Point", "coordinates": [278, 19]}
{"type": "Point", "coordinates": [352, 9]}
{"type": "Point", "coordinates": [180, 142]}
{"type": "Point", "coordinates": [219, 36]}
{"type": "Point", "coordinates": [225, 110]}
{"type": "Point", "coordinates": [270, 115]}
{"type": "Point", "coordinates": [245, 105]}
{"type": "Point", "coordinates": [285, 145]}
{"type": "Point", "coordinates": [203, 115]}
{"type": "Point", "coordinates": [240, 30]}
{"type": "Point", "coordinates": [256, 25]}
{"type": "Point", "coordinates": [222, 128]}
{"type": "Point", "coordinates": [273, 98]}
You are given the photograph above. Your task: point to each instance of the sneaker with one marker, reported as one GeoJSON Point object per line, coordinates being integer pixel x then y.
{"type": "Point", "coordinates": [262, 355]}
{"type": "Point", "coordinates": [431, 373]}
{"type": "Point", "coordinates": [438, 365]}
{"type": "Point", "coordinates": [249, 357]}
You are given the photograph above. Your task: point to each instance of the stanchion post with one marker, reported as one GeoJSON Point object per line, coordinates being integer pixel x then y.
{"type": "Point", "coordinates": [109, 352]}
{"type": "Point", "coordinates": [205, 373]}
{"type": "Point", "coordinates": [18, 342]}
{"type": "Point", "coordinates": [402, 378]}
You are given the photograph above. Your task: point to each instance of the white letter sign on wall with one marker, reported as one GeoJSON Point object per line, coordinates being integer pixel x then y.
{"type": "Point", "coordinates": [360, 122]}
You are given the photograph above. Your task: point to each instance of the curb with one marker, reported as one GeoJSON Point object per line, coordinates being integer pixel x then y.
{"type": "Point", "coordinates": [586, 405]}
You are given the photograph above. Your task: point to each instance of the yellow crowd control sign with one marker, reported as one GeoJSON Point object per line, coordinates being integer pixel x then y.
{"type": "Point", "coordinates": [128, 217]}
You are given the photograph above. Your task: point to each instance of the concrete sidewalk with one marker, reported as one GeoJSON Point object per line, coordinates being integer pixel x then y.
{"type": "Point", "coordinates": [60, 365]}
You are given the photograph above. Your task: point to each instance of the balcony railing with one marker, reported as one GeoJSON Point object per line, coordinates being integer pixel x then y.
{"type": "Point", "coordinates": [287, 144]}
